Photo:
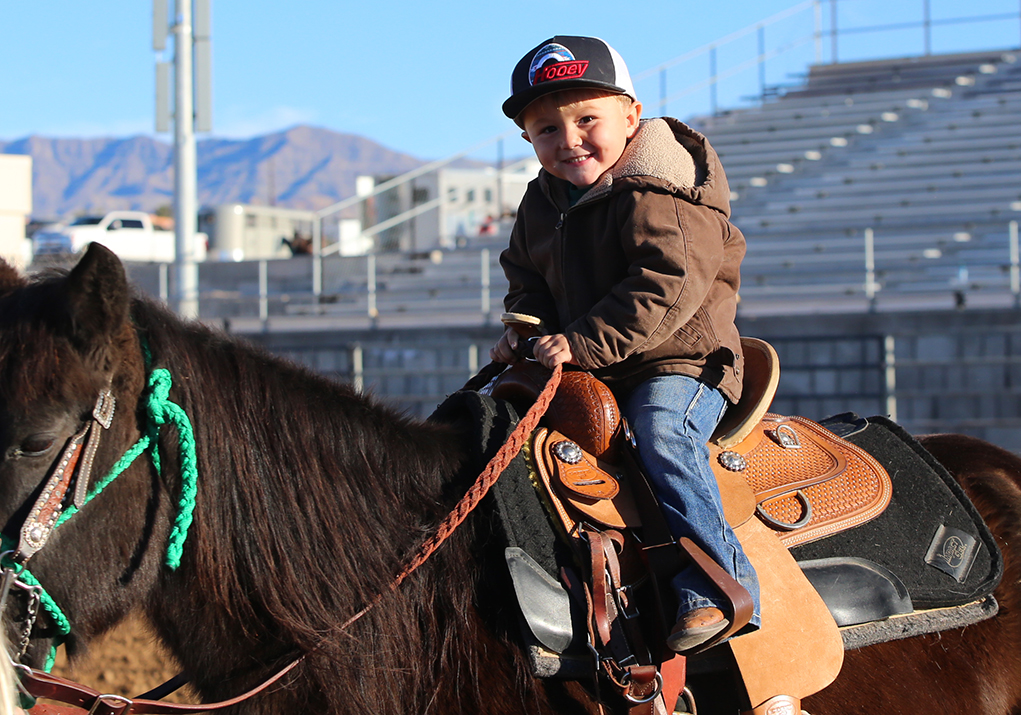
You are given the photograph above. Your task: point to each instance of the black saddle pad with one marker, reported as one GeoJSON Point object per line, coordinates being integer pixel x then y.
{"type": "Point", "coordinates": [519, 515]}
{"type": "Point", "coordinates": [931, 536]}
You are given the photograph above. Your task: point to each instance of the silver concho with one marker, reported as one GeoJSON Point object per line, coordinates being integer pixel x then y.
{"type": "Point", "coordinates": [567, 451]}
{"type": "Point", "coordinates": [733, 461]}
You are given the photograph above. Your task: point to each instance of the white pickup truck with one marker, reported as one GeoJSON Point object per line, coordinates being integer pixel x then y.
{"type": "Point", "coordinates": [129, 234]}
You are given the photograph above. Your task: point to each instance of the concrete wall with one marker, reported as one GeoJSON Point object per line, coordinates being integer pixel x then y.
{"type": "Point", "coordinates": [949, 371]}
{"type": "Point", "coordinates": [938, 371]}
{"type": "Point", "coordinates": [15, 207]}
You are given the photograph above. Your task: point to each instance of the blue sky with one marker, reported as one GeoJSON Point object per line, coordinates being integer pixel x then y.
{"type": "Point", "coordinates": [424, 78]}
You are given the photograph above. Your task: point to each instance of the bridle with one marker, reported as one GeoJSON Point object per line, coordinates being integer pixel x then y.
{"type": "Point", "coordinates": [73, 467]}
{"type": "Point", "coordinates": [49, 505]}
{"type": "Point", "coordinates": [39, 684]}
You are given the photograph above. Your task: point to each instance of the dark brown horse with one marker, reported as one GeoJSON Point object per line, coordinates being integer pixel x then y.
{"type": "Point", "coordinates": [310, 499]}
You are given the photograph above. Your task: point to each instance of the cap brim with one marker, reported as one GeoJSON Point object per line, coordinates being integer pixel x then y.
{"type": "Point", "coordinates": [516, 104]}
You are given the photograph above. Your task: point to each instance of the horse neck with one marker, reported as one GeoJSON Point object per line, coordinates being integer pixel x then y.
{"type": "Point", "coordinates": [295, 470]}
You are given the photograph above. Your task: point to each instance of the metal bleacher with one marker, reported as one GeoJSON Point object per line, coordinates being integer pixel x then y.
{"type": "Point", "coordinates": [921, 156]}
{"type": "Point", "coordinates": [924, 153]}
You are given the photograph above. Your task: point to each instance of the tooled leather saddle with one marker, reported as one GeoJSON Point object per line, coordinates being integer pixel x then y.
{"type": "Point", "coordinates": [785, 482]}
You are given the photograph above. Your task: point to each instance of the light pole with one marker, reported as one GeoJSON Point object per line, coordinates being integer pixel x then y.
{"type": "Point", "coordinates": [191, 42]}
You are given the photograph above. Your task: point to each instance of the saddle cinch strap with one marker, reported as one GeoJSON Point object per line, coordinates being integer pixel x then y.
{"type": "Point", "coordinates": [621, 600]}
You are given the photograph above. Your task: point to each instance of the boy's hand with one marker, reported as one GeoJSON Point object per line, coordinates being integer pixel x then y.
{"type": "Point", "coordinates": [506, 349]}
{"type": "Point", "coordinates": [553, 350]}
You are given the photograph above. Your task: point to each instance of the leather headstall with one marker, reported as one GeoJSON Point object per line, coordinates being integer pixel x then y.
{"type": "Point", "coordinates": [50, 504]}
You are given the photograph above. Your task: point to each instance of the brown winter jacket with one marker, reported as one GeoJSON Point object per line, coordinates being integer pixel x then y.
{"type": "Point", "coordinates": [642, 273]}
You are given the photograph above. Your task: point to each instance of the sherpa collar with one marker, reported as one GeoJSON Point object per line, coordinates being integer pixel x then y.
{"type": "Point", "coordinates": [668, 153]}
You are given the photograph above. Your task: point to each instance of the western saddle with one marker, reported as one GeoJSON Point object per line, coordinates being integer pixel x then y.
{"type": "Point", "coordinates": [800, 482]}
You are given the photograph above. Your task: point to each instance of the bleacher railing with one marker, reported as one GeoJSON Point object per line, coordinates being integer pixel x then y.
{"type": "Point", "coordinates": [465, 287]}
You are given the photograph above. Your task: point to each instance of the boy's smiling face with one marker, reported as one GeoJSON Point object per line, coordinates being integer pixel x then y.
{"type": "Point", "coordinates": [580, 134]}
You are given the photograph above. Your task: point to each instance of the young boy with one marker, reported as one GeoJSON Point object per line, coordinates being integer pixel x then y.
{"type": "Point", "coordinates": [623, 248]}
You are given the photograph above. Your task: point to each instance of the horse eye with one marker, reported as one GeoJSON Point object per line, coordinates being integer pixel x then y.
{"type": "Point", "coordinates": [37, 444]}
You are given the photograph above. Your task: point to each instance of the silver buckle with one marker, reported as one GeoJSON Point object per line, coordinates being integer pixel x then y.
{"type": "Point", "coordinates": [786, 437]}
{"type": "Point", "coordinates": [106, 700]}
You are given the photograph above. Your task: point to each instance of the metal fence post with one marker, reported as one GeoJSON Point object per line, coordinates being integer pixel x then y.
{"type": "Point", "coordinates": [927, 27]}
{"type": "Point", "coordinates": [833, 31]}
{"type": "Point", "coordinates": [370, 267]}
{"type": "Point", "coordinates": [473, 360]}
{"type": "Point", "coordinates": [762, 63]}
{"type": "Point", "coordinates": [486, 307]}
{"type": "Point", "coordinates": [890, 376]}
{"type": "Point", "coordinates": [317, 261]}
{"type": "Point", "coordinates": [1015, 270]}
{"type": "Point", "coordinates": [263, 291]}
{"type": "Point", "coordinates": [870, 268]}
{"type": "Point", "coordinates": [817, 18]}
{"type": "Point", "coordinates": [357, 368]}
{"type": "Point", "coordinates": [164, 283]}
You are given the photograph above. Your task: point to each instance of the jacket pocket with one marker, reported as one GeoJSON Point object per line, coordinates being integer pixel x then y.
{"type": "Point", "coordinates": [697, 338]}
{"type": "Point", "coordinates": [688, 334]}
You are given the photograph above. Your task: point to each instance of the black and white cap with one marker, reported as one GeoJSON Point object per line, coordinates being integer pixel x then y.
{"type": "Point", "coordinates": [567, 62]}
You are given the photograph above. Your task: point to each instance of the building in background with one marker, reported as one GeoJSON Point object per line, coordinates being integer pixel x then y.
{"type": "Point", "coordinates": [447, 208]}
{"type": "Point", "coordinates": [240, 232]}
{"type": "Point", "coordinates": [15, 207]}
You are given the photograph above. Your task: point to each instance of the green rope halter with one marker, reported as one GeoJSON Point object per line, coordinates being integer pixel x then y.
{"type": "Point", "coordinates": [159, 411]}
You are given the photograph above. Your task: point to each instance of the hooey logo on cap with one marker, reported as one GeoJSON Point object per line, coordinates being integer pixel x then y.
{"type": "Point", "coordinates": [553, 62]}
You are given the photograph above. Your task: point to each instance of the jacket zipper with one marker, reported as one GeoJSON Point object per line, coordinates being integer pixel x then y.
{"type": "Point", "coordinates": [563, 244]}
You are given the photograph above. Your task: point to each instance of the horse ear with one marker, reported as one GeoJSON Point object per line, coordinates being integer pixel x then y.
{"type": "Point", "coordinates": [97, 298]}
{"type": "Point", "coordinates": [10, 279]}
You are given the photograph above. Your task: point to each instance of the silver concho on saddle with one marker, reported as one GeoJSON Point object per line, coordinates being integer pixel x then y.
{"type": "Point", "coordinates": [587, 487]}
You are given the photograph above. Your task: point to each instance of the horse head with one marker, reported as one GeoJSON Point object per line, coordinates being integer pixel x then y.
{"type": "Point", "coordinates": [65, 341]}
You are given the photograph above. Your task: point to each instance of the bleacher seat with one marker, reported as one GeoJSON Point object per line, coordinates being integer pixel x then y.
{"type": "Point", "coordinates": [925, 151]}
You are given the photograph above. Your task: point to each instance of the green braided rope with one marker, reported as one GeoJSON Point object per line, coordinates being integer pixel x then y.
{"type": "Point", "coordinates": [115, 471]}
{"type": "Point", "coordinates": [159, 410]}
{"type": "Point", "coordinates": [60, 621]}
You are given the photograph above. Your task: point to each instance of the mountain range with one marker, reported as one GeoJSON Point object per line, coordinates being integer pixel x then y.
{"type": "Point", "coordinates": [301, 167]}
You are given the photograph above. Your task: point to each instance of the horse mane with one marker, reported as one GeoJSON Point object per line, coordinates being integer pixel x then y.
{"type": "Point", "coordinates": [312, 498]}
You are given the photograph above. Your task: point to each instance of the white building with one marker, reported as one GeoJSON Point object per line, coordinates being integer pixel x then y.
{"type": "Point", "coordinates": [447, 208]}
{"type": "Point", "coordinates": [15, 207]}
{"type": "Point", "coordinates": [239, 232]}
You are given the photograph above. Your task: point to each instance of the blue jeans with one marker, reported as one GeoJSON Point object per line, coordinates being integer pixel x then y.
{"type": "Point", "coordinates": [673, 417]}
